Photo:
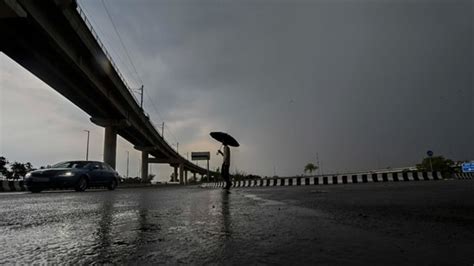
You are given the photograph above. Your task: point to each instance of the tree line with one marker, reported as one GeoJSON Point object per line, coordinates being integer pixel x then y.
{"type": "Point", "coordinates": [436, 163]}
{"type": "Point", "coordinates": [14, 170]}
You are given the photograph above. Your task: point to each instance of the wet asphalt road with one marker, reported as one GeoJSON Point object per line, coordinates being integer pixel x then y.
{"type": "Point", "coordinates": [424, 223]}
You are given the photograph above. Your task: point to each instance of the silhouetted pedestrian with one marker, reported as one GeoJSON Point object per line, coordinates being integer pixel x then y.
{"type": "Point", "coordinates": [225, 166]}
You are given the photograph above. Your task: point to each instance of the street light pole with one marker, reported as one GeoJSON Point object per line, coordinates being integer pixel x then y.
{"type": "Point", "coordinates": [87, 147]}
{"type": "Point", "coordinates": [177, 146]}
{"type": "Point", "coordinates": [141, 97]}
{"type": "Point", "coordinates": [317, 161]}
{"type": "Point", "coordinates": [208, 170]}
{"type": "Point", "coordinates": [139, 166]}
{"type": "Point", "coordinates": [163, 129]}
{"type": "Point", "coordinates": [322, 172]}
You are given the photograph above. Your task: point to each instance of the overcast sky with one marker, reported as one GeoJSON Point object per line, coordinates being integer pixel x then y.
{"type": "Point", "coordinates": [364, 84]}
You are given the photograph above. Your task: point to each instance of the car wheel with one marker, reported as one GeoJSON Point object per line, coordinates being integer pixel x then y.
{"type": "Point", "coordinates": [112, 184]}
{"type": "Point", "coordinates": [81, 184]}
{"type": "Point", "coordinates": [35, 190]}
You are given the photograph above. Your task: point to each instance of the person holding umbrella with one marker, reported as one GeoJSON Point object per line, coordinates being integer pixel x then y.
{"type": "Point", "coordinates": [225, 165]}
{"type": "Point", "coordinates": [226, 141]}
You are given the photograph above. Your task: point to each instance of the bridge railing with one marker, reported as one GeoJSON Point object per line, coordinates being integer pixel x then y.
{"type": "Point", "coordinates": [102, 46]}
{"type": "Point", "coordinates": [83, 15]}
{"type": "Point", "coordinates": [167, 142]}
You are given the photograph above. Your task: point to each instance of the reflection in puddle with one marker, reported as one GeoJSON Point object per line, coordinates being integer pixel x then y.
{"type": "Point", "coordinates": [264, 201]}
{"type": "Point", "coordinates": [226, 218]}
{"type": "Point", "coordinates": [104, 227]}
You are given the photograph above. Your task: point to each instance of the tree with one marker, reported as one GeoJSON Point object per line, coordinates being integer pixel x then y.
{"type": "Point", "coordinates": [18, 170]}
{"type": "Point", "coordinates": [148, 179]}
{"type": "Point", "coordinates": [29, 167]}
{"type": "Point", "coordinates": [310, 167]}
{"type": "Point", "coordinates": [3, 166]}
{"type": "Point", "coordinates": [238, 174]}
{"type": "Point", "coordinates": [439, 163]}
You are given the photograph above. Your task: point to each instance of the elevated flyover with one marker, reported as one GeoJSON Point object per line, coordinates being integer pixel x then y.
{"type": "Point", "coordinates": [54, 40]}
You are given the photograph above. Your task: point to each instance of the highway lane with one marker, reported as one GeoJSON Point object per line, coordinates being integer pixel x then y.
{"type": "Point", "coordinates": [383, 223]}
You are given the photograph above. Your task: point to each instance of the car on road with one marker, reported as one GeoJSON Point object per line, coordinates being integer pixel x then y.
{"type": "Point", "coordinates": [79, 175]}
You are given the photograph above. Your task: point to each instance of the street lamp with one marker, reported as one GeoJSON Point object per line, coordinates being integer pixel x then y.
{"type": "Point", "coordinates": [87, 147]}
{"type": "Point", "coordinates": [177, 146]}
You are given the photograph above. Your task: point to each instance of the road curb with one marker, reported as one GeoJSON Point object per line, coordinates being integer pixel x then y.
{"type": "Point", "coordinates": [339, 179]}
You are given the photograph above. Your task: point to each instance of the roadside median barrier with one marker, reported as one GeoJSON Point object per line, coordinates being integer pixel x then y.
{"type": "Point", "coordinates": [338, 179]}
{"type": "Point", "coordinates": [12, 185]}
{"type": "Point", "coordinates": [463, 176]}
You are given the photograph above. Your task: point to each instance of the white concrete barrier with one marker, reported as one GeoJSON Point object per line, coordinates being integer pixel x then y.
{"type": "Point", "coordinates": [16, 185]}
{"type": "Point", "coordinates": [303, 181]}
{"type": "Point", "coordinates": [349, 179]}
{"type": "Point", "coordinates": [379, 177]}
{"type": "Point", "coordinates": [337, 179]}
{"type": "Point", "coordinates": [5, 185]}
{"type": "Point", "coordinates": [430, 176]}
{"type": "Point", "coordinates": [464, 175]}
{"type": "Point", "coordinates": [320, 180]}
{"type": "Point", "coordinates": [11, 185]}
{"type": "Point", "coordinates": [389, 177]}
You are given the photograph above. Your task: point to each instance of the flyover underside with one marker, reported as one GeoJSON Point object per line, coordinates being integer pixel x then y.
{"type": "Point", "coordinates": [24, 42]}
{"type": "Point", "coordinates": [26, 47]}
{"type": "Point", "coordinates": [54, 44]}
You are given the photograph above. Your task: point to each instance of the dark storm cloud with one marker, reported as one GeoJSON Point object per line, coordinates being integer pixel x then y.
{"type": "Point", "coordinates": [364, 83]}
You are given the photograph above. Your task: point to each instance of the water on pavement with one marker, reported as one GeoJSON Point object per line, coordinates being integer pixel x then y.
{"type": "Point", "coordinates": [358, 224]}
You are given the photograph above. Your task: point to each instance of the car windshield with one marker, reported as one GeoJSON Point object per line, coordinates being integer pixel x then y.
{"type": "Point", "coordinates": [71, 165]}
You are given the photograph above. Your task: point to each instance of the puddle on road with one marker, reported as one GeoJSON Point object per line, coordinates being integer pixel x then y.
{"type": "Point", "coordinates": [14, 193]}
{"type": "Point", "coordinates": [318, 191]}
{"type": "Point", "coordinates": [264, 201]}
{"type": "Point", "coordinates": [289, 206]}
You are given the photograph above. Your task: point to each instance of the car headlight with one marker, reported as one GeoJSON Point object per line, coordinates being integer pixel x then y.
{"type": "Point", "coordinates": [66, 174]}
{"type": "Point", "coordinates": [28, 175]}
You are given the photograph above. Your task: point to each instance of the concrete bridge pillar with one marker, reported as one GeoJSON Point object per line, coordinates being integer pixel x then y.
{"type": "Point", "coordinates": [194, 176]}
{"type": "Point", "coordinates": [175, 176]}
{"type": "Point", "coordinates": [186, 177]}
{"type": "Point", "coordinates": [181, 170]}
{"type": "Point", "coordinates": [144, 165]}
{"type": "Point", "coordinates": [110, 145]}
{"type": "Point", "coordinates": [110, 136]}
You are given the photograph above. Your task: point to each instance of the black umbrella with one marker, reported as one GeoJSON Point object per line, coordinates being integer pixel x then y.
{"type": "Point", "coordinates": [225, 138]}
